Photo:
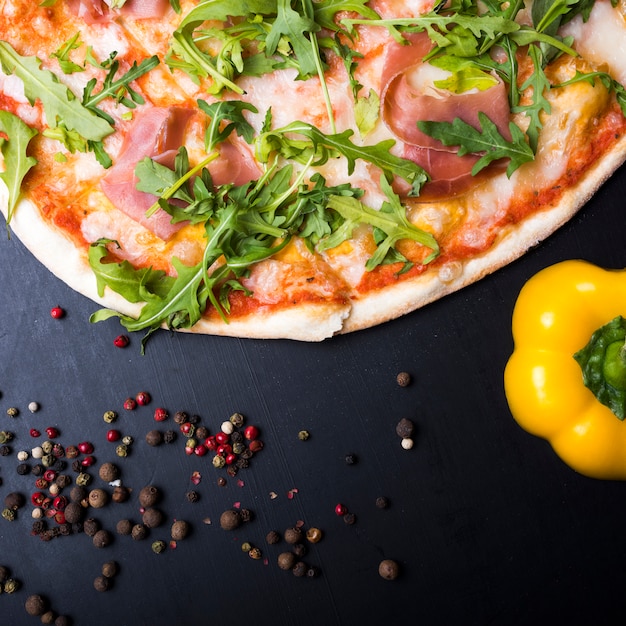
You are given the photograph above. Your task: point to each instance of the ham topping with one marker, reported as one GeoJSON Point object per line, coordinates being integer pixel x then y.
{"type": "Point", "coordinates": [157, 134]}
{"type": "Point", "coordinates": [97, 11]}
{"type": "Point", "coordinates": [403, 105]}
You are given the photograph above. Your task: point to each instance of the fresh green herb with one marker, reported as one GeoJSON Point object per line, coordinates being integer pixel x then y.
{"type": "Point", "coordinates": [320, 147]}
{"type": "Point", "coordinates": [226, 117]}
{"type": "Point", "coordinates": [17, 163]}
{"type": "Point", "coordinates": [59, 102]}
{"type": "Point", "coordinates": [487, 140]}
{"type": "Point", "coordinates": [465, 75]}
{"type": "Point", "coordinates": [63, 55]}
{"type": "Point", "coordinates": [390, 226]}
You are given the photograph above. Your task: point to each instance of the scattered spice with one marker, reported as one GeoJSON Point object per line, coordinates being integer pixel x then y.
{"type": "Point", "coordinates": [121, 341]}
{"type": "Point", "coordinates": [98, 498]}
{"type": "Point", "coordinates": [124, 527]}
{"type": "Point", "coordinates": [230, 519]}
{"type": "Point", "coordinates": [180, 530]}
{"type": "Point", "coordinates": [139, 532]}
{"type": "Point", "coordinates": [152, 518]}
{"type": "Point", "coordinates": [154, 438]}
{"type": "Point", "coordinates": [292, 535]}
{"type": "Point", "coordinates": [110, 569]}
{"type": "Point", "coordinates": [349, 519]}
{"type": "Point", "coordinates": [303, 435]}
{"type": "Point", "coordinates": [405, 428]}
{"type": "Point", "coordinates": [351, 459]}
{"type": "Point", "coordinates": [57, 313]}
{"type": "Point", "coordinates": [286, 560]}
{"type": "Point", "coordinates": [313, 535]}
{"type": "Point", "coordinates": [158, 546]}
{"type": "Point", "coordinates": [272, 537]}
{"type": "Point", "coordinates": [382, 502]}
{"type": "Point", "coordinates": [109, 472]}
{"type": "Point", "coordinates": [149, 496]}
{"type": "Point", "coordinates": [299, 569]}
{"type": "Point", "coordinates": [407, 443]}
{"type": "Point", "coordinates": [36, 605]}
{"type": "Point", "coordinates": [192, 496]}
{"type": "Point", "coordinates": [102, 539]}
{"type": "Point", "coordinates": [102, 583]}
{"type": "Point", "coordinates": [403, 379]}
{"type": "Point", "coordinates": [389, 569]}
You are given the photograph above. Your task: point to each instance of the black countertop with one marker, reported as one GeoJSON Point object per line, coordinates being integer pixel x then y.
{"type": "Point", "coordinates": [487, 524]}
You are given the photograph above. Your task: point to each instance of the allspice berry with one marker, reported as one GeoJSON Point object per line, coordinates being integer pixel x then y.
{"type": "Point", "coordinates": [120, 494]}
{"type": "Point", "coordinates": [63, 620]}
{"type": "Point", "coordinates": [110, 569]}
{"type": "Point", "coordinates": [4, 573]}
{"type": "Point", "coordinates": [403, 379]}
{"type": "Point", "coordinates": [139, 532]}
{"type": "Point", "coordinates": [405, 428]}
{"type": "Point", "coordinates": [272, 537]}
{"type": "Point", "coordinates": [91, 527]}
{"type": "Point", "coordinates": [35, 605]}
{"type": "Point", "coordinates": [78, 493]}
{"type": "Point", "coordinates": [152, 518]}
{"type": "Point", "coordinates": [102, 583]}
{"type": "Point", "coordinates": [73, 512]}
{"type": "Point", "coordinates": [48, 617]}
{"type": "Point", "coordinates": [300, 569]}
{"type": "Point", "coordinates": [180, 530]}
{"type": "Point", "coordinates": [98, 498]}
{"type": "Point", "coordinates": [230, 519]}
{"type": "Point", "coordinates": [149, 496]}
{"type": "Point", "coordinates": [102, 539]}
{"type": "Point", "coordinates": [286, 560]}
{"type": "Point", "coordinates": [388, 569]}
{"type": "Point", "coordinates": [154, 438]}
{"type": "Point", "coordinates": [109, 472]}
{"type": "Point", "coordinates": [124, 527]}
{"type": "Point", "coordinates": [293, 535]}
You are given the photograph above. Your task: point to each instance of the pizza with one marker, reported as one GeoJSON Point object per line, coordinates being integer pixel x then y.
{"type": "Point", "coordinates": [299, 168]}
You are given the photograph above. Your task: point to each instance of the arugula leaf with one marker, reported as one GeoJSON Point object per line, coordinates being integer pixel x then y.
{"type": "Point", "coordinates": [325, 11]}
{"type": "Point", "coordinates": [14, 151]}
{"type": "Point", "coordinates": [59, 102]}
{"type": "Point", "coordinates": [390, 220]}
{"type": "Point", "coordinates": [322, 147]}
{"type": "Point", "coordinates": [230, 111]}
{"type": "Point", "coordinates": [487, 140]}
{"type": "Point", "coordinates": [466, 75]}
{"type": "Point", "coordinates": [62, 55]}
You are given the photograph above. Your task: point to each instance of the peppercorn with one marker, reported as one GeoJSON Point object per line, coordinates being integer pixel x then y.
{"type": "Point", "coordinates": [63, 481]}
{"type": "Point", "coordinates": [83, 479]}
{"type": "Point", "coordinates": [139, 532]}
{"type": "Point", "coordinates": [405, 428]}
{"type": "Point", "coordinates": [14, 500]}
{"type": "Point", "coordinates": [407, 443]}
{"type": "Point", "coordinates": [149, 496]}
{"type": "Point", "coordinates": [192, 496]}
{"type": "Point", "coordinates": [293, 535]}
{"type": "Point", "coordinates": [13, 411]}
{"type": "Point", "coordinates": [202, 432]}
{"type": "Point", "coordinates": [124, 527]}
{"type": "Point", "coordinates": [152, 518]}
{"type": "Point", "coordinates": [102, 539]}
{"type": "Point", "coordinates": [73, 512]}
{"type": "Point", "coordinates": [313, 535]}
{"type": "Point", "coordinates": [221, 481]}
{"type": "Point", "coordinates": [180, 417]}
{"type": "Point", "coordinates": [403, 379]}
{"type": "Point", "coordinates": [349, 518]}
{"type": "Point", "coordinates": [102, 583]}
{"type": "Point", "coordinates": [382, 502]}
{"type": "Point", "coordinates": [4, 574]}
{"type": "Point", "coordinates": [236, 437]}
{"type": "Point", "coordinates": [351, 459]}
{"type": "Point", "coordinates": [120, 494]}
{"type": "Point", "coordinates": [389, 569]}
{"type": "Point", "coordinates": [299, 549]}
{"type": "Point", "coordinates": [71, 452]}
{"type": "Point", "coordinates": [230, 519]}
{"type": "Point", "coordinates": [109, 416]}
{"type": "Point", "coordinates": [98, 498]}
{"type": "Point", "coordinates": [78, 493]}
{"type": "Point", "coordinates": [62, 620]}
{"type": "Point", "coordinates": [91, 527]}
{"type": "Point", "coordinates": [121, 450]}
{"type": "Point", "coordinates": [180, 530]}
{"type": "Point", "coordinates": [255, 553]}
{"type": "Point", "coordinates": [11, 585]}
{"type": "Point", "coordinates": [272, 537]}
{"type": "Point", "coordinates": [299, 569]}
{"type": "Point", "coordinates": [48, 617]}
{"type": "Point", "coordinates": [5, 450]}
{"type": "Point", "coordinates": [35, 605]}
{"type": "Point", "coordinates": [286, 560]}
{"type": "Point", "coordinates": [218, 461]}
{"type": "Point", "coordinates": [158, 546]}
{"type": "Point", "coordinates": [33, 407]}
{"type": "Point", "coordinates": [154, 438]}
{"type": "Point", "coordinates": [109, 472]}
{"type": "Point", "coordinates": [237, 420]}
{"type": "Point", "coordinates": [110, 569]}
{"type": "Point", "coordinates": [8, 514]}
{"type": "Point", "coordinates": [23, 469]}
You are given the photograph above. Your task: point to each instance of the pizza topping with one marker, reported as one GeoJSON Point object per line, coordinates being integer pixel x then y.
{"type": "Point", "coordinates": [157, 132]}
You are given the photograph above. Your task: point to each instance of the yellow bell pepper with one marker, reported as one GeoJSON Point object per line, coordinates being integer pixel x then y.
{"type": "Point", "coordinates": [550, 394]}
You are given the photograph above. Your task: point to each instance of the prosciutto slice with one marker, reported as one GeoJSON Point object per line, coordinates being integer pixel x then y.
{"type": "Point", "coordinates": [403, 105]}
{"type": "Point", "coordinates": [158, 134]}
{"type": "Point", "coordinates": [97, 11]}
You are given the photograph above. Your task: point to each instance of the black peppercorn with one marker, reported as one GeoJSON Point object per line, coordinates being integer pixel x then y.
{"type": "Point", "coordinates": [149, 496]}
{"type": "Point", "coordinates": [230, 519]}
{"type": "Point", "coordinates": [299, 549]}
{"type": "Point", "coordinates": [4, 574]}
{"type": "Point", "coordinates": [236, 437]}
{"type": "Point", "coordinates": [154, 438]}
{"type": "Point", "coordinates": [221, 481]}
{"type": "Point", "coordinates": [382, 502]}
{"type": "Point", "coordinates": [300, 569]}
{"type": "Point", "coordinates": [349, 518]}
{"type": "Point", "coordinates": [23, 469]}
{"type": "Point", "coordinates": [202, 432]}
{"type": "Point", "coordinates": [389, 569]}
{"type": "Point", "coordinates": [38, 527]}
{"type": "Point", "coordinates": [180, 417]}
{"type": "Point", "coordinates": [245, 514]}
{"type": "Point", "coordinates": [192, 496]}
{"type": "Point", "coordinates": [405, 428]}
{"type": "Point", "coordinates": [272, 537]}
{"type": "Point", "coordinates": [14, 500]}
{"type": "Point", "coordinates": [169, 436]}
{"type": "Point", "coordinates": [351, 459]}
{"type": "Point", "coordinates": [5, 450]}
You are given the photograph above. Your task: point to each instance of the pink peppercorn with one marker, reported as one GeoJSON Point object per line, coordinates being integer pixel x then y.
{"type": "Point", "coordinates": [121, 341]}
{"type": "Point", "coordinates": [160, 414]}
{"type": "Point", "coordinates": [143, 398]}
{"type": "Point", "coordinates": [57, 312]}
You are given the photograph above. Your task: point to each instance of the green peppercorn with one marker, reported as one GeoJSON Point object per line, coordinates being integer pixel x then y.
{"type": "Point", "coordinates": [219, 461]}
{"type": "Point", "coordinates": [8, 514]}
{"type": "Point", "coordinates": [303, 435]}
{"type": "Point", "coordinates": [11, 585]}
{"type": "Point", "coordinates": [13, 411]}
{"type": "Point", "coordinates": [47, 460]}
{"type": "Point", "coordinates": [246, 546]}
{"type": "Point", "coordinates": [237, 420]}
{"type": "Point", "coordinates": [121, 450]}
{"type": "Point", "coordinates": [158, 546]}
{"type": "Point", "coordinates": [109, 416]}
{"type": "Point", "coordinates": [5, 436]}
{"type": "Point", "coordinates": [47, 446]}
{"type": "Point", "coordinates": [127, 440]}
{"type": "Point", "coordinates": [83, 479]}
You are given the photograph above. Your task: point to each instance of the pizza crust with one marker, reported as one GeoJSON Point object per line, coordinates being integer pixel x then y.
{"type": "Point", "coordinates": [409, 295]}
